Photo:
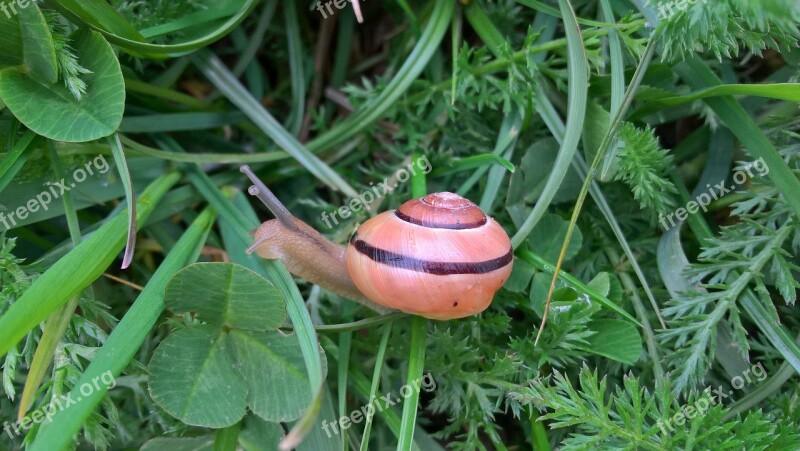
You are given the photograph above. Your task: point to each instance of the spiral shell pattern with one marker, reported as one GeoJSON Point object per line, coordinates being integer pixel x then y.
{"type": "Point", "coordinates": [439, 257]}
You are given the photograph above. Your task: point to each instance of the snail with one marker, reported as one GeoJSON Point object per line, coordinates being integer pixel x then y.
{"type": "Point", "coordinates": [439, 257]}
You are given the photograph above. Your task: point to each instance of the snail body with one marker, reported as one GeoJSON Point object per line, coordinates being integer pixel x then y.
{"type": "Point", "coordinates": [439, 256]}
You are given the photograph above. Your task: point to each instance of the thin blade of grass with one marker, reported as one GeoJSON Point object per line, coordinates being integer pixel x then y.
{"type": "Point", "coordinates": [295, 49]}
{"type": "Point", "coordinates": [781, 91]}
{"type": "Point", "coordinates": [376, 379]}
{"type": "Point", "coordinates": [345, 340]}
{"type": "Point", "coordinates": [130, 196]}
{"type": "Point", "coordinates": [576, 113]}
{"type": "Point", "coordinates": [15, 159]}
{"type": "Point", "coordinates": [627, 99]}
{"type": "Point", "coordinates": [227, 83]}
{"type": "Point", "coordinates": [617, 80]}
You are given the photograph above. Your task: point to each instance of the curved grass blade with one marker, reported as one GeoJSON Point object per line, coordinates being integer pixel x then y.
{"type": "Point", "coordinates": [202, 158]}
{"type": "Point", "coordinates": [576, 113]}
{"type": "Point", "coordinates": [124, 341]}
{"type": "Point", "coordinates": [617, 80]}
{"type": "Point", "coordinates": [77, 13]}
{"type": "Point", "coordinates": [130, 196]}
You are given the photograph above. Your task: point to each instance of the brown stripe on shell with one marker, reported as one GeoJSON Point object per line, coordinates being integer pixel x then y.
{"type": "Point", "coordinates": [442, 211]}
{"type": "Point", "coordinates": [401, 261]}
{"type": "Point", "coordinates": [436, 223]}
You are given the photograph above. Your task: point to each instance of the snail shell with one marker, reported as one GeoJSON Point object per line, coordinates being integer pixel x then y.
{"type": "Point", "coordinates": [439, 257]}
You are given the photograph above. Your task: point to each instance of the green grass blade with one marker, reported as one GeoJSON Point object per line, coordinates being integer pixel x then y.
{"type": "Point", "coordinates": [226, 82]}
{"type": "Point", "coordinates": [345, 340]}
{"type": "Point", "coordinates": [15, 159]}
{"type": "Point", "coordinates": [617, 79]}
{"type": "Point", "coordinates": [781, 91]}
{"type": "Point", "coordinates": [130, 196]}
{"type": "Point", "coordinates": [76, 270]}
{"type": "Point", "coordinates": [416, 363]}
{"type": "Point", "coordinates": [295, 67]}
{"type": "Point", "coordinates": [376, 378]}
{"type": "Point", "coordinates": [124, 341]}
{"type": "Point", "coordinates": [576, 113]}
{"type": "Point", "coordinates": [203, 158]}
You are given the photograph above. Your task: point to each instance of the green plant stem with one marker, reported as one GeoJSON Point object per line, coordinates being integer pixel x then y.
{"type": "Point", "coordinates": [226, 439]}
{"type": "Point", "coordinates": [376, 378]}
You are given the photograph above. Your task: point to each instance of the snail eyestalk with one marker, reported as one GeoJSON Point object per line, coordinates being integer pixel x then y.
{"type": "Point", "coordinates": [260, 190]}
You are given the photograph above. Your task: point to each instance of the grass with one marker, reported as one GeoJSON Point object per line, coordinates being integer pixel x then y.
{"type": "Point", "coordinates": [577, 126]}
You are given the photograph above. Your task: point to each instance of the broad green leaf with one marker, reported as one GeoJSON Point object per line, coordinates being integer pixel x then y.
{"type": "Point", "coordinates": [616, 339]}
{"type": "Point", "coordinates": [193, 377]}
{"type": "Point", "coordinates": [545, 239]}
{"type": "Point", "coordinates": [260, 435]}
{"type": "Point", "coordinates": [201, 443]}
{"type": "Point", "coordinates": [52, 111]}
{"type": "Point", "coordinates": [600, 283]}
{"type": "Point", "coordinates": [529, 180]}
{"type": "Point", "coordinates": [38, 48]}
{"type": "Point", "coordinates": [10, 42]}
{"type": "Point", "coordinates": [225, 294]}
{"type": "Point", "coordinates": [272, 364]}
{"type": "Point", "coordinates": [520, 278]}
